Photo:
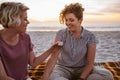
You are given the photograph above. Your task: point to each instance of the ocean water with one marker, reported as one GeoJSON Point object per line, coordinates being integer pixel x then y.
{"type": "Point", "coordinates": [108, 48]}
{"type": "Point", "coordinates": [92, 26]}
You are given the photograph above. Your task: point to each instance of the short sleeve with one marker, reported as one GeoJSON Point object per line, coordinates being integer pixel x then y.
{"type": "Point", "coordinates": [30, 44]}
{"type": "Point", "coordinates": [92, 39]}
{"type": "Point", "coordinates": [61, 34]}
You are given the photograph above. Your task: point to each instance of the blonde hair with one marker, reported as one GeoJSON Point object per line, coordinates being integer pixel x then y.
{"type": "Point", "coordinates": [75, 8]}
{"type": "Point", "coordinates": [10, 13]}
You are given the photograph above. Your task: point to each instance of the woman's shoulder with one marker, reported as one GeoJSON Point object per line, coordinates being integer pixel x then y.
{"type": "Point", "coordinates": [24, 36]}
{"type": "Point", "coordinates": [87, 32]}
{"type": "Point", "coordinates": [62, 31]}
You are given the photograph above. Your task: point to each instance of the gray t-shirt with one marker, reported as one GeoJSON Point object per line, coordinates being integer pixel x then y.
{"type": "Point", "coordinates": [16, 58]}
{"type": "Point", "coordinates": [73, 53]}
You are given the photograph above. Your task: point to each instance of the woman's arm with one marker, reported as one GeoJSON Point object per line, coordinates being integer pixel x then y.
{"type": "Point", "coordinates": [52, 61]}
{"type": "Point", "coordinates": [34, 61]}
{"type": "Point", "coordinates": [90, 61]}
{"type": "Point", "coordinates": [3, 75]}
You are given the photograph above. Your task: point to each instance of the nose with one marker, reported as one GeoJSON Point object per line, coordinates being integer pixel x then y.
{"type": "Point", "coordinates": [67, 23]}
{"type": "Point", "coordinates": [27, 22]}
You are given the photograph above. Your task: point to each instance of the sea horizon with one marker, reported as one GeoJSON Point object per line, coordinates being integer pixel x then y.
{"type": "Point", "coordinates": [55, 26]}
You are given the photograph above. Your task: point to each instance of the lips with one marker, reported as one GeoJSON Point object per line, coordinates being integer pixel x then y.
{"type": "Point", "coordinates": [69, 27]}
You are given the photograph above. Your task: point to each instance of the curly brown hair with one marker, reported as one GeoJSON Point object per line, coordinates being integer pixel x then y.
{"type": "Point", "coordinates": [75, 8]}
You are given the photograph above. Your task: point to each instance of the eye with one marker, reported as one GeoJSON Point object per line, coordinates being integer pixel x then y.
{"type": "Point", "coordinates": [25, 19]}
{"type": "Point", "coordinates": [71, 20]}
{"type": "Point", "coordinates": [66, 20]}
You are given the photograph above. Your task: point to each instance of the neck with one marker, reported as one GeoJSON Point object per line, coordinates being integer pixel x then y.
{"type": "Point", "coordinates": [78, 32]}
{"type": "Point", "coordinates": [9, 36]}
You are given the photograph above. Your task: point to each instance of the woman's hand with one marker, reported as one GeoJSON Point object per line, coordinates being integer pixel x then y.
{"type": "Point", "coordinates": [52, 60]}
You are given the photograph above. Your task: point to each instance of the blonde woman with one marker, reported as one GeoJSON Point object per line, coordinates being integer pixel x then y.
{"type": "Point", "coordinates": [16, 49]}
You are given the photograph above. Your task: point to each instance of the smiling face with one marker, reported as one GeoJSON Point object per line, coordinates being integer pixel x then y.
{"type": "Point", "coordinates": [72, 22]}
{"type": "Point", "coordinates": [23, 25]}
{"type": "Point", "coordinates": [24, 21]}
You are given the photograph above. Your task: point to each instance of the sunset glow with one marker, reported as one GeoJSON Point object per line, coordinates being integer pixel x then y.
{"type": "Point", "coordinates": [95, 10]}
{"type": "Point", "coordinates": [102, 18]}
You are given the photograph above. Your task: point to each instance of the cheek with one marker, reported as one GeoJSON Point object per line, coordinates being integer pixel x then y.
{"type": "Point", "coordinates": [23, 23]}
{"type": "Point", "coordinates": [66, 24]}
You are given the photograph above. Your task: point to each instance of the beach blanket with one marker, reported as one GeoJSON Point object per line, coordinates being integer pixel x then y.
{"type": "Point", "coordinates": [37, 72]}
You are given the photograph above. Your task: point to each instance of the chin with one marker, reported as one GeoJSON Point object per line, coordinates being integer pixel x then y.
{"type": "Point", "coordinates": [23, 31]}
{"type": "Point", "coordinates": [71, 30]}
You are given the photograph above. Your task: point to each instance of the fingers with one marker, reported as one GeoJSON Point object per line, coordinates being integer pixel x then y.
{"type": "Point", "coordinates": [60, 43]}
{"type": "Point", "coordinates": [57, 46]}
{"type": "Point", "coordinates": [56, 50]}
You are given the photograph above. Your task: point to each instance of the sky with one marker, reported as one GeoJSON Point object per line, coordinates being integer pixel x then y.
{"type": "Point", "coordinates": [95, 10]}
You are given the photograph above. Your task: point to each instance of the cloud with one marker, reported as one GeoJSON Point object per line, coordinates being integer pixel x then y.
{"type": "Point", "coordinates": [112, 8]}
{"type": "Point", "coordinates": [93, 13]}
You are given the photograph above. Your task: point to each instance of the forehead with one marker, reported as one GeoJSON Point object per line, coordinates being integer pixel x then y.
{"type": "Point", "coordinates": [70, 15]}
{"type": "Point", "coordinates": [24, 13]}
